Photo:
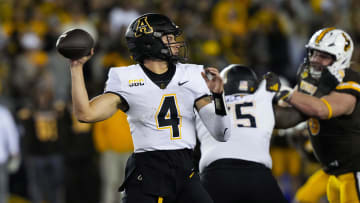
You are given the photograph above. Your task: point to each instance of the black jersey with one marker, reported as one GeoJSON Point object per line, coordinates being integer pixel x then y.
{"type": "Point", "coordinates": [336, 141]}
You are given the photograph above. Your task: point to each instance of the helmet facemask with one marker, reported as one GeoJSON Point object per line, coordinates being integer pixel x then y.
{"type": "Point", "coordinates": [316, 68]}
{"type": "Point", "coordinates": [175, 47]}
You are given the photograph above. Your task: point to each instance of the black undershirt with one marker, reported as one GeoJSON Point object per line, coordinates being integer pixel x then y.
{"type": "Point", "coordinates": [161, 80]}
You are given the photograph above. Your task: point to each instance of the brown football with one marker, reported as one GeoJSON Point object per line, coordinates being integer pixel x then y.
{"type": "Point", "coordinates": [74, 44]}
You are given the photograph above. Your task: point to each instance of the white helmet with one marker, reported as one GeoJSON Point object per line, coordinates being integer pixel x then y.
{"type": "Point", "coordinates": [335, 42]}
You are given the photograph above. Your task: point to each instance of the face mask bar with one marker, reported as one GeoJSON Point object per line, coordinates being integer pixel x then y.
{"type": "Point", "coordinates": [180, 45]}
{"type": "Point", "coordinates": [315, 69]}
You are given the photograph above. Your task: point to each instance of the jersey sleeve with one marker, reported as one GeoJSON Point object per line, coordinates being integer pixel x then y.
{"type": "Point", "coordinates": [350, 84]}
{"type": "Point", "coordinates": [262, 90]}
{"type": "Point", "coordinates": [200, 86]}
{"type": "Point", "coordinates": [113, 83]}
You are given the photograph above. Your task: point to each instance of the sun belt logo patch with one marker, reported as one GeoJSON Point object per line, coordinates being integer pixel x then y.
{"type": "Point", "coordinates": [143, 27]}
{"type": "Point", "coordinates": [138, 82]}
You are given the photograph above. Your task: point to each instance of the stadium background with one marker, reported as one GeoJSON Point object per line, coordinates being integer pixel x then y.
{"type": "Point", "coordinates": [268, 35]}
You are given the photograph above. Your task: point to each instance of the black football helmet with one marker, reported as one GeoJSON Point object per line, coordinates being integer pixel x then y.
{"type": "Point", "coordinates": [143, 37]}
{"type": "Point", "coordinates": [239, 79]}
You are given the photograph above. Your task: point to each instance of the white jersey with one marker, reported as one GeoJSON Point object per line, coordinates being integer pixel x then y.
{"type": "Point", "coordinates": [252, 121]}
{"type": "Point", "coordinates": [160, 119]}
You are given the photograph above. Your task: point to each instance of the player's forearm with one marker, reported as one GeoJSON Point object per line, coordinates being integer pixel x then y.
{"type": "Point", "coordinates": [218, 125]}
{"type": "Point", "coordinates": [286, 117]}
{"type": "Point", "coordinates": [80, 98]}
{"type": "Point", "coordinates": [309, 105]}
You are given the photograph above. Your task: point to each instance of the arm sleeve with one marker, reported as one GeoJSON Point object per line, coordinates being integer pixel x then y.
{"type": "Point", "coordinates": [286, 117]}
{"type": "Point", "coordinates": [349, 87]}
{"type": "Point", "coordinates": [217, 125]}
{"type": "Point", "coordinates": [350, 84]}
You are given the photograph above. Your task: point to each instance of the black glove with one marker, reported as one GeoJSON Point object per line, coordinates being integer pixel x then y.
{"type": "Point", "coordinates": [272, 82]}
{"type": "Point", "coordinates": [284, 94]}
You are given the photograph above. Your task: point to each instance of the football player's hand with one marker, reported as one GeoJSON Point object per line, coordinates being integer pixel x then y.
{"type": "Point", "coordinates": [283, 95]}
{"type": "Point", "coordinates": [81, 61]}
{"type": "Point", "coordinates": [213, 80]}
{"type": "Point", "coordinates": [272, 82]}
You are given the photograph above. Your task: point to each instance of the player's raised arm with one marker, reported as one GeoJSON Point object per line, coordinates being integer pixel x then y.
{"type": "Point", "coordinates": [214, 116]}
{"type": "Point", "coordinates": [100, 107]}
{"type": "Point", "coordinates": [77, 45]}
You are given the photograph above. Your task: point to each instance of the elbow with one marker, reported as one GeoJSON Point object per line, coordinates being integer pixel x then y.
{"type": "Point", "coordinates": [227, 133]}
{"type": "Point", "coordinates": [223, 136]}
{"type": "Point", "coordinates": [83, 117]}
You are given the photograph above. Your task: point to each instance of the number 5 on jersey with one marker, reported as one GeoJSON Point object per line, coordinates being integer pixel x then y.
{"type": "Point", "coordinates": [243, 118]}
{"type": "Point", "coordinates": [168, 116]}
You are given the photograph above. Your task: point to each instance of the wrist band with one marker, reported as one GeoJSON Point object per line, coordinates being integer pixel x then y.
{"type": "Point", "coordinates": [220, 107]}
{"type": "Point", "coordinates": [328, 106]}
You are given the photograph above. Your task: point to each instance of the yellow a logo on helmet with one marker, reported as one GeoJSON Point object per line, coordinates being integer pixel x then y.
{"type": "Point", "coordinates": [143, 27]}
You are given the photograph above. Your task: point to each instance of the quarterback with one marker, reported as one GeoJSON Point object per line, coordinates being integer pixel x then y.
{"type": "Point", "coordinates": [159, 95]}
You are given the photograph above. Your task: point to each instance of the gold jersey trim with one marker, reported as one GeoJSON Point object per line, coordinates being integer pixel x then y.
{"type": "Point", "coordinates": [349, 85]}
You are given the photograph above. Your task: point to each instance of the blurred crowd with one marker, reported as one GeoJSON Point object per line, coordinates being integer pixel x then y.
{"type": "Point", "coordinates": [268, 35]}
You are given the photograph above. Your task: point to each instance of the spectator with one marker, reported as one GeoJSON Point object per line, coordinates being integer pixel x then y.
{"type": "Point", "coordinates": [114, 143]}
{"type": "Point", "coordinates": [9, 151]}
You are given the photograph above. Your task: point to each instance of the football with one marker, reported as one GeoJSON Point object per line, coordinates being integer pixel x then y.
{"type": "Point", "coordinates": [74, 44]}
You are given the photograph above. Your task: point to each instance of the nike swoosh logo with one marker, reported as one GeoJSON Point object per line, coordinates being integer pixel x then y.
{"type": "Point", "coordinates": [225, 130]}
{"type": "Point", "coordinates": [182, 83]}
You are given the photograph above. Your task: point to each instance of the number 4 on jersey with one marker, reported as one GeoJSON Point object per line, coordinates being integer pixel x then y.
{"type": "Point", "coordinates": [167, 116]}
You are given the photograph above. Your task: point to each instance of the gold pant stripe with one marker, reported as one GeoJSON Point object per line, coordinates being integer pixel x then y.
{"type": "Point", "coordinates": [160, 200]}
